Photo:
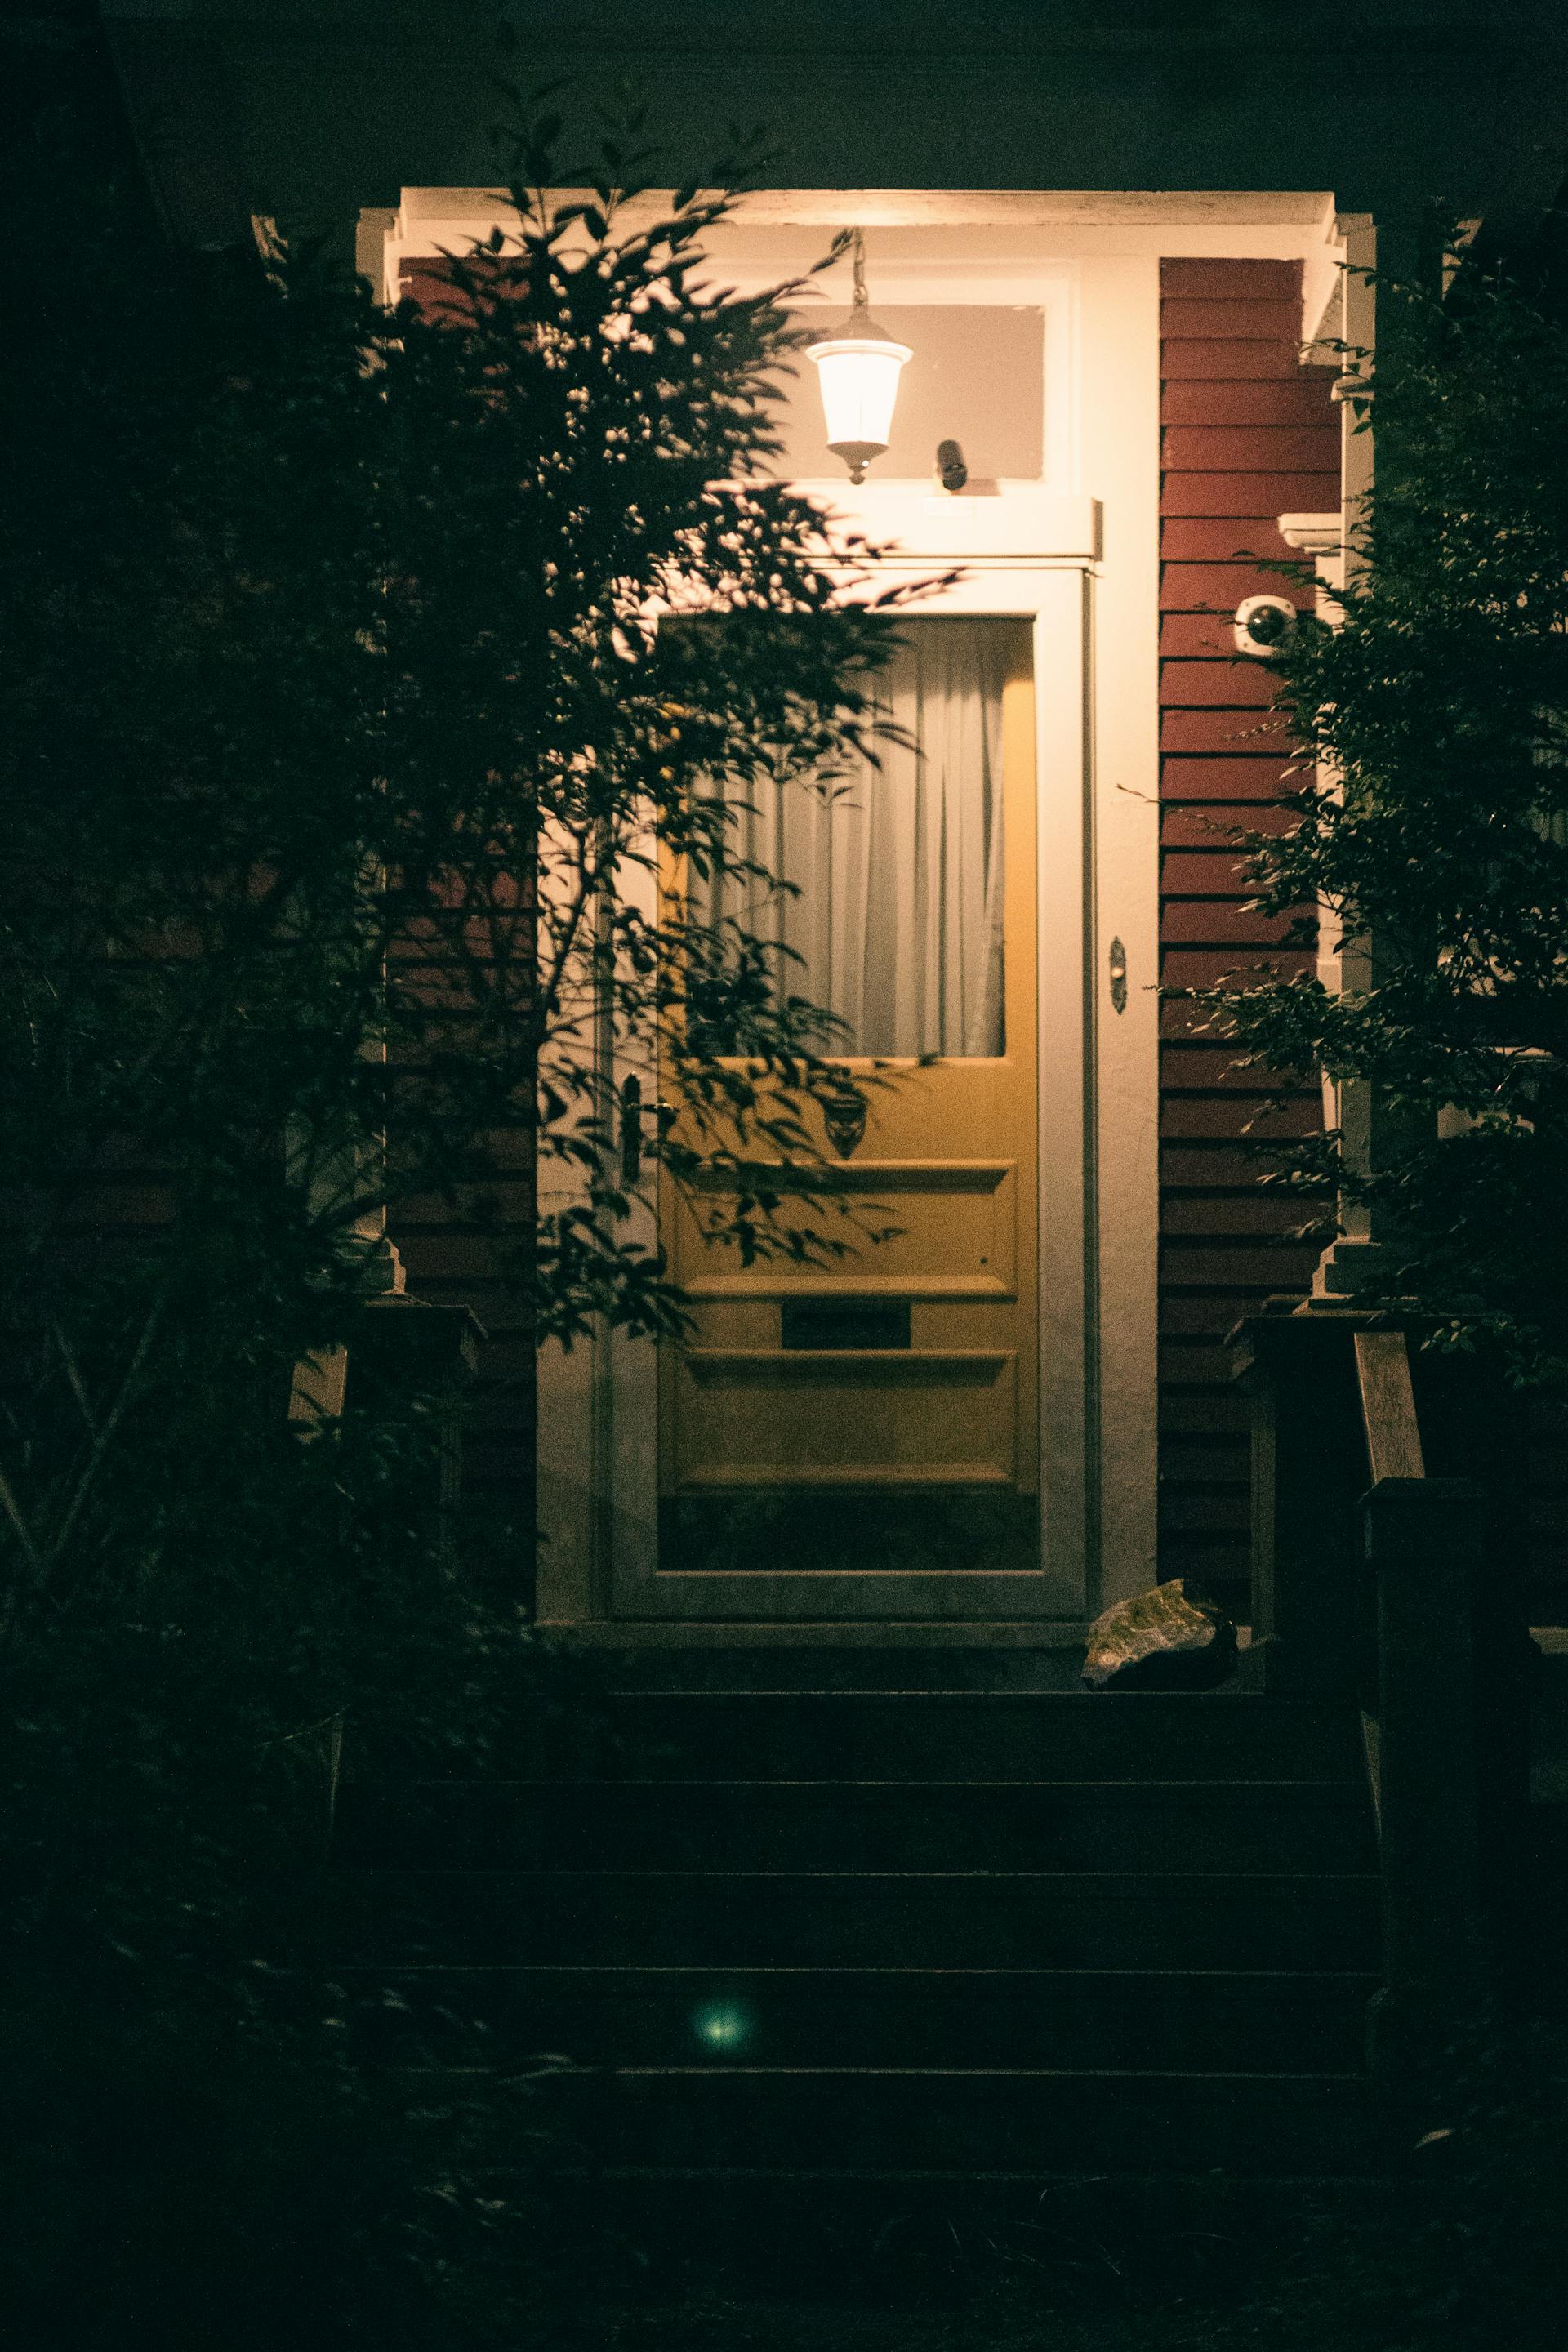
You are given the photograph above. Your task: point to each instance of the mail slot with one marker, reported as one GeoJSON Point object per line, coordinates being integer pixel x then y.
{"type": "Point", "coordinates": [844, 1322]}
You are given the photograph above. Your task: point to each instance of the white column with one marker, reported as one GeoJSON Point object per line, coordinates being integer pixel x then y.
{"type": "Point", "coordinates": [1347, 1106]}
{"type": "Point", "coordinates": [1334, 543]}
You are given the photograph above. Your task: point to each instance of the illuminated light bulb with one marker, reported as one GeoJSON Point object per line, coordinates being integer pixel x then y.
{"type": "Point", "coordinates": [858, 371]}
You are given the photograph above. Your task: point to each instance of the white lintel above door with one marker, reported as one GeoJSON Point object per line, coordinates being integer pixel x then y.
{"type": "Point", "coordinates": [1020, 523]}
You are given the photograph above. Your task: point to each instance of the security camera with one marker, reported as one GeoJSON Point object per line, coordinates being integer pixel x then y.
{"type": "Point", "coordinates": [951, 470]}
{"type": "Point", "coordinates": [1264, 625]}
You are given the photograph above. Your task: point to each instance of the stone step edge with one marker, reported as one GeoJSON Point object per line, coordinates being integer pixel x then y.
{"type": "Point", "coordinates": [1339, 1789]}
{"type": "Point", "coordinates": [1066, 1706]}
{"type": "Point", "coordinates": [1216, 2176]}
{"type": "Point", "coordinates": [718, 2071]}
{"type": "Point", "coordinates": [1259, 1702]}
{"type": "Point", "coordinates": [1113, 1885]}
{"type": "Point", "coordinates": [1245, 1978]}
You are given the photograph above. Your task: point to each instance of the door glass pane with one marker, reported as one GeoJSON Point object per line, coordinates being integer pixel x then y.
{"type": "Point", "coordinates": [896, 909]}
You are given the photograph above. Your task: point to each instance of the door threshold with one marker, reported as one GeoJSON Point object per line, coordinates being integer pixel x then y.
{"type": "Point", "coordinates": [885, 1634]}
{"type": "Point", "coordinates": [1041, 1655]}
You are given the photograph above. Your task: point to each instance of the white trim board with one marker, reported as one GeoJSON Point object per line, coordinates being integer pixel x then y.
{"type": "Point", "coordinates": [1056, 208]}
{"type": "Point", "coordinates": [945, 235]}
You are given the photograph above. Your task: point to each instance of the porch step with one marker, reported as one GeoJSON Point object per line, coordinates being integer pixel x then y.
{"type": "Point", "coordinates": [827, 2123]}
{"type": "Point", "coordinates": [881, 1734]}
{"type": "Point", "coordinates": [719, 1919]}
{"type": "Point", "coordinates": [951, 2119]}
{"type": "Point", "coordinates": [829, 1666]}
{"type": "Point", "coordinates": [1227, 2020]}
{"type": "Point", "coordinates": [1059, 1825]}
{"type": "Point", "coordinates": [904, 2237]}
{"type": "Point", "coordinates": [786, 1940]}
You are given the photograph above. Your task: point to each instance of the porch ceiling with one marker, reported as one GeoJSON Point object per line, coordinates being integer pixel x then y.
{"type": "Point", "coordinates": [314, 108]}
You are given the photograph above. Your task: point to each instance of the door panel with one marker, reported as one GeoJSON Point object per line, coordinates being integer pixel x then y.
{"type": "Point", "coordinates": [924, 1417]}
{"type": "Point", "coordinates": [957, 1237]}
{"type": "Point", "coordinates": [862, 1440]}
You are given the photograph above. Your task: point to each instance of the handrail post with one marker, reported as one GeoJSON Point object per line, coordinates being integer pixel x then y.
{"type": "Point", "coordinates": [1309, 1466]}
{"type": "Point", "coordinates": [1426, 1549]}
{"type": "Point", "coordinates": [405, 1346]}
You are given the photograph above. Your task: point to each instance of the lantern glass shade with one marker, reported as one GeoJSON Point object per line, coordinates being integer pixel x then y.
{"type": "Point", "coordinates": [859, 378]}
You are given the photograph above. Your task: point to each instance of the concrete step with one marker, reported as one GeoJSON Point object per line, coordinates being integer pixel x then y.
{"type": "Point", "coordinates": [830, 2122]}
{"type": "Point", "coordinates": [1106, 1825]}
{"type": "Point", "coordinates": [882, 1735]}
{"type": "Point", "coordinates": [883, 1664]}
{"type": "Point", "coordinates": [902, 2239]}
{"type": "Point", "coordinates": [1224, 2021]}
{"type": "Point", "coordinates": [746, 1918]}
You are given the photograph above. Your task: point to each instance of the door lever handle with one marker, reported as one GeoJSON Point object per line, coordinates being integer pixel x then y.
{"type": "Point", "coordinates": [631, 1130]}
{"type": "Point", "coordinates": [632, 1141]}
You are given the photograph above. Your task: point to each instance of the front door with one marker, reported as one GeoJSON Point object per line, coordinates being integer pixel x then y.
{"type": "Point", "coordinates": [861, 1440]}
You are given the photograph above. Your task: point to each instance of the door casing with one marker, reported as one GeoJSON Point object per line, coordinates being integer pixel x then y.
{"type": "Point", "coordinates": [1027, 555]}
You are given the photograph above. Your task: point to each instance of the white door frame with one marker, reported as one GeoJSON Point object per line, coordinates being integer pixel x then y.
{"type": "Point", "coordinates": [1024, 553]}
{"type": "Point", "coordinates": [1091, 263]}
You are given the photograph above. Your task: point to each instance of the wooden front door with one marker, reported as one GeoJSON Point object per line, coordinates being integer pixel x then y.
{"type": "Point", "coordinates": [862, 1441]}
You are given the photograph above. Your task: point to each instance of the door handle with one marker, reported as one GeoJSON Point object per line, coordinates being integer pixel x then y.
{"type": "Point", "coordinates": [632, 1144]}
{"type": "Point", "coordinates": [631, 1131]}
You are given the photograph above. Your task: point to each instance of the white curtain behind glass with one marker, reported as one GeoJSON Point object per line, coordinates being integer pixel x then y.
{"type": "Point", "coordinates": [899, 915]}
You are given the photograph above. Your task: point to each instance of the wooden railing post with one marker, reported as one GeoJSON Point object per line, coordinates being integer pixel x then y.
{"type": "Point", "coordinates": [1308, 1473]}
{"type": "Point", "coordinates": [1426, 1551]}
{"type": "Point", "coordinates": [406, 1346]}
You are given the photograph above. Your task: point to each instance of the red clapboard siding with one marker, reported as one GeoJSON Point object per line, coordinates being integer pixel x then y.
{"type": "Point", "coordinates": [1237, 494]}
{"type": "Point", "coordinates": [1230, 281]}
{"type": "Point", "coordinates": [1247, 435]}
{"type": "Point", "coordinates": [1220, 587]}
{"type": "Point", "coordinates": [1206, 967]}
{"type": "Point", "coordinates": [1216, 1212]}
{"type": "Point", "coordinates": [1249, 779]}
{"type": "Point", "coordinates": [1206, 729]}
{"type": "Point", "coordinates": [1184, 827]}
{"type": "Point", "coordinates": [1218, 685]}
{"type": "Point", "coordinates": [1220, 922]}
{"type": "Point", "coordinates": [1213, 870]}
{"type": "Point", "coordinates": [1220, 538]}
{"type": "Point", "coordinates": [1245, 320]}
{"type": "Point", "coordinates": [1235, 1117]}
{"type": "Point", "coordinates": [1297, 400]}
{"type": "Point", "coordinates": [1193, 356]}
{"type": "Point", "coordinates": [1272, 449]}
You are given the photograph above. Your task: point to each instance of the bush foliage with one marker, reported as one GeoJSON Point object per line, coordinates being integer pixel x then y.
{"type": "Point", "coordinates": [345, 775]}
{"type": "Point", "coordinates": [1432, 827]}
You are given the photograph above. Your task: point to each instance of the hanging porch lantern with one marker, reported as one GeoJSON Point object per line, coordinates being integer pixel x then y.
{"type": "Point", "coordinates": [859, 370]}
